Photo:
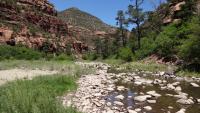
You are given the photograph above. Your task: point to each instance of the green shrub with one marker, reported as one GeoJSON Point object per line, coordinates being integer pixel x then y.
{"type": "Point", "coordinates": [125, 54]}
{"type": "Point", "coordinates": [15, 52]}
{"type": "Point", "coordinates": [166, 41]}
{"type": "Point", "coordinates": [189, 51]}
{"type": "Point", "coordinates": [64, 57]}
{"type": "Point", "coordinates": [90, 56]}
{"type": "Point", "coordinates": [147, 48]}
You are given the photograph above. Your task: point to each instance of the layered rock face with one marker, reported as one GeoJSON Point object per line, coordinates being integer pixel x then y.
{"type": "Point", "coordinates": [177, 6]}
{"type": "Point", "coordinates": [32, 23]}
{"type": "Point", "coordinates": [174, 8]}
{"type": "Point", "coordinates": [37, 12]}
{"type": "Point", "coordinates": [35, 23]}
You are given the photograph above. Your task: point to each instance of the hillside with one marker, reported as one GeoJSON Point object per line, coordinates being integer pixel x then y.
{"type": "Point", "coordinates": [32, 23]}
{"type": "Point", "coordinates": [36, 24]}
{"type": "Point", "coordinates": [85, 27]}
{"type": "Point", "coordinates": [76, 17]}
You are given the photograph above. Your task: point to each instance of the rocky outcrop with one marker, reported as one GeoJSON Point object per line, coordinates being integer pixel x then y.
{"type": "Point", "coordinates": [39, 13]}
{"type": "Point", "coordinates": [174, 8]}
{"type": "Point", "coordinates": [33, 23]}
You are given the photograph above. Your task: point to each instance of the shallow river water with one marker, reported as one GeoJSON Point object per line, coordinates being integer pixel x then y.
{"type": "Point", "coordinates": [164, 103]}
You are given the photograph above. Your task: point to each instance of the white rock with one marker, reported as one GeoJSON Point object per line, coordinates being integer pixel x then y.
{"type": "Point", "coordinates": [97, 94]}
{"type": "Point", "coordinates": [138, 109]}
{"type": "Point", "coordinates": [185, 101]}
{"type": "Point", "coordinates": [178, 88]}
{"type": "Point", "coordinates": [170, 95]}
{"type": "Point", "coordinates": [164, 81]}
{"type": "Point", "coordinates": [110, 89]}
{"type": "Point", "coordinates": [198, 100]}
{"type": "Point", "coordinates": [180, 96]}
{"type": "Point", "coordinates": [175, 83]}
{"type": "Point", "coordinates": [162, 73]}
{"type": "Point", "coordinates": [194, 84]}
{"type": "Point", "coordinates": [170, 87]}
{"type": "Point", "coordinates": [170, 107]}
{"type": "Point", "coordinates": [130, 96]}
{"type": "Point", "coordinates": [131, 111]}
{"type": "Point", "coordinates": [157, 81]}
{"type": "Point", "coordinates": [163, 87]}
{"type": "Point", "coordinates": [109, 104]}
{"type": "Point", "coordinates": [181, 111]}
{"type": "Point", "coordinates": [138, 83]}
{"type": "Point", "coordinates": [148, 108]}
{"type": "Point", "coordinates": [136, 77]}
{"type": "Point", "coordinates": [97, 103]}
{"type": "Point", "coordinates": [119, 97]}
{"type": "Point", "coordinates": [151, 101]}
{"type": "Point", "coordinates": [142, 98]}
{"type": "Point", "coordinates": [118, 103]}
{"type": "Point", "coordinates": [120, 88]}
{"type": "Point", "coordinates": [110, 111]}
{"type": "Point", "coordinates": [153, 93]}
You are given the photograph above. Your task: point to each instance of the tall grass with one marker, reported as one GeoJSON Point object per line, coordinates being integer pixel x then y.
{"type": "Point", "coordinates": [37, 95]}
{"type": "Point", "coordinates": [64, 67]}
{"type": "Point", "coordinates": [35, 64]}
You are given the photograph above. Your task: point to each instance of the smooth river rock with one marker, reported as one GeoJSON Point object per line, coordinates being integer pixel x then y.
{"type": "Point", "coordinates": [178, 89]}
{"type": "Point", "coordinates": [119, 97]}
{"type": "Point", "coordinates": [131, 111]}
{"type": "Point", "coordinates": [120, 88]}
{"type": "Point", "coordinates": [185, 101]}
{"type": "Point", "coordinates": [194, 84]}
{"type": "Point", "coordinates": [142, 98]}
{"type": "Point", "coordinates": [118, 103]}
{"type": "Point", "coordinates": [148, 108]}
{"type": "Point", "coordinates": [181, 111]}
{"type": "Point", "coordinates": [153, 93]}
{"type": "Point", "coordinates": [151, 101]}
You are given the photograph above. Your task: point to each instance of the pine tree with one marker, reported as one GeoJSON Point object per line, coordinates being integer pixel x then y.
{"type": "Point", "coordinates": [136, 16]}
{"type": "Point", "coordinates": [121, 21]}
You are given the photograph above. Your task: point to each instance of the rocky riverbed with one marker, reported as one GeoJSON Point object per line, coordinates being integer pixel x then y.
{"type": "Point", "coordinates": [134, 92]}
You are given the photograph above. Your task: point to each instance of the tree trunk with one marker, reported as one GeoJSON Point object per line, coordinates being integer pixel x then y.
{"type": "Point", "coordinates": [138, 23]}
{"type": "Point", "coordinates": [138, 35]}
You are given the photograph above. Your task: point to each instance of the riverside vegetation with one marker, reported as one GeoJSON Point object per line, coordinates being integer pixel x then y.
{"type": "Point", "coordinates": [30, 94]}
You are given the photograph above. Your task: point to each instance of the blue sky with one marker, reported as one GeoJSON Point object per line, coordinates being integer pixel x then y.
{"type": "Point", "coordinates": [104, 9]}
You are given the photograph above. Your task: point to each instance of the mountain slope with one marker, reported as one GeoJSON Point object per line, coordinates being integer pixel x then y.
{"type": "Point", "coordinates": [32, 23]}
{"type": "Point", "coordinates": [74, 16]}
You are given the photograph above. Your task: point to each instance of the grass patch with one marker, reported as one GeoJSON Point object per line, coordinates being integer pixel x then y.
{"type": "Point", "coordinates": [33, 64]}
{"type": "Point", "coordinates": [138, 65]}
{"type": "Point", "coordinates": [150, 66]}
{"type": "Point", "coordinates": [63, 66]}
{"type": "Point", "coordinates": [37, 95]}
{"type": "Point", "coordinates": [188, 73]}
{"type": "Point", "coordinates": [153, 67]}
{"type": "Point", "coordinates": [113, 61]}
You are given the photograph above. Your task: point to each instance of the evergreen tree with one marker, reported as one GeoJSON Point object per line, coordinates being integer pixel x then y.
{"type": "Point", "coordinates": [136, 16]}
{"type": "Point", "coordinates": [121, 21]}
